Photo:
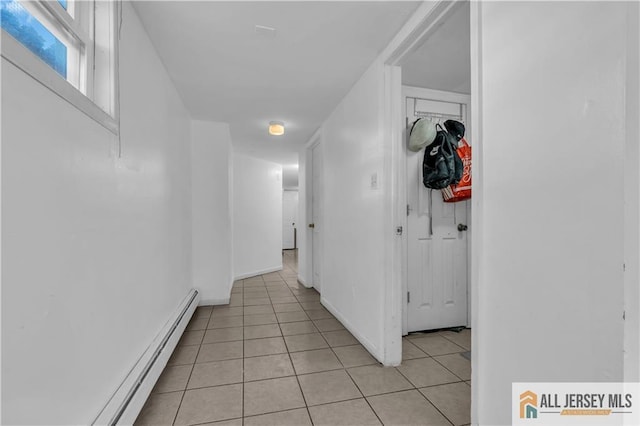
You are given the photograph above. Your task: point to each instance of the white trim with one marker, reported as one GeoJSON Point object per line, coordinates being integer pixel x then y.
{"type": "Point", "coordinates": [477, 211]}
{"type": "Point", "coordinates": [632, 201]}
{"type": "Point", "coordinates": [303, 282]}
{"type": "Point", "coordinates": [136, 376]}
{"type": "Point", "coordinates": [21, 57]}
{"type": "Point", "coordinates": [392, 300]}
{"type": "Point", "coordinates": [422, 23]}
{"type": "Point", "coordinates": [76, 27]}
{"type": "Point", "coordinates": [305, 249]}
{"type": "Point", "coordinates": [314, 141]}
{"type": "Point", "coordinates": [215, 302]}
{"type": "Point", "coordinates": [68, 32]}
{"type": "Point", "coordinates": [369, 346]}
{"type": "Point", "coordinates": [256, 273]}
{"type": "Point", "coordinates": [440, 95]}
{"type": "Point", "coordinates": [79, 89]}
{"type": "Point", "coordinates": [105, 89]}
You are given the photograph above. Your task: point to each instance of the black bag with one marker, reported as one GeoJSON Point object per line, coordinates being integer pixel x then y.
{"type": "Point", "coordinates": [441, 165]}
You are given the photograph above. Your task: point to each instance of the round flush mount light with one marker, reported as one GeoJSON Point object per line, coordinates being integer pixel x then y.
{"type": "Point", "coordinates": [276, 128]}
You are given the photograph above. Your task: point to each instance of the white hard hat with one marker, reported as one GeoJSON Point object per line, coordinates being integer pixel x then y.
{"type": "Point", "coordinates": [423, 133]}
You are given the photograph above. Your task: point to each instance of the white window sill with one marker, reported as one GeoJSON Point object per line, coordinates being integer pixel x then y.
{"type": "Point", "coordinates": [14, 52]}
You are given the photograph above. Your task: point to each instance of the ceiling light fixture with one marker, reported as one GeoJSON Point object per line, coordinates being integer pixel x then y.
{"type": "Point", "coordinates": [276, 128]}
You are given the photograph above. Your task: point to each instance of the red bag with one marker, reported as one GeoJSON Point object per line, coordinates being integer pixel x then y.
{"type": "Point", "coordinates": [461, 191]}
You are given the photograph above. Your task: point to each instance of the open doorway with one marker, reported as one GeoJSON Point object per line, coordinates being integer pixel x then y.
{"type": "Point", "coordinates": [436, 85]}
{"type": "Point", "coordinates": [289, 219]}
{"type": "Point", "coordinates": [436, 243]}
{"type": "Point", "coordinates": [429, 76]}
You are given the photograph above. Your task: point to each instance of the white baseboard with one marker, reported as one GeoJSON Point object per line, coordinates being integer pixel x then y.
{"type": "Point", "coordinates": [126, 403]}
{"type": "Point", "coordinates": [208, 302]}
{"type": "Point", "coordinates": [218, 301]}
{"type": "Point", "coordinates": [256, 273]}
{"type": "Point", "coordinates": [303, 282]}
{"type": "Point", "coordinates": [373, 350]}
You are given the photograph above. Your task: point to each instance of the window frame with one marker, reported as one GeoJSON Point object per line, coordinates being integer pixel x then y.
{"type": "Point", "coordinates": [94, 87]}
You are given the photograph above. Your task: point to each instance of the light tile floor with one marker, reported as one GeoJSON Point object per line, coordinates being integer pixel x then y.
{"type": "Point", "coordinates": [275, 356]}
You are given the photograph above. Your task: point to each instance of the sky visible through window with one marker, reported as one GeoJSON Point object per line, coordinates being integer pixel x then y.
{"type": "Point", "coordinates": [25, 28]}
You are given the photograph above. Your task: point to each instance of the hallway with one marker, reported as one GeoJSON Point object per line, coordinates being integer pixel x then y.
{"type": "Point", "coordinates": [276, 356]}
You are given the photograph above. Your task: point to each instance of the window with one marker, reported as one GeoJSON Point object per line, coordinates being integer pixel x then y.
{"type": "Point", "coordinates": [69, 46]}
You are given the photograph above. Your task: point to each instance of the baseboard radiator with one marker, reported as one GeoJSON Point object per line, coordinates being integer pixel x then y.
{"type": "Point", "coordinates": [125, 404]}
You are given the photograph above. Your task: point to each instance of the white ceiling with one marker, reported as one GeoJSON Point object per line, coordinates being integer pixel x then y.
{"type": "Point", "coordinates": [224, 71]}
{"type": "Point", "coordinates": [443, 61]}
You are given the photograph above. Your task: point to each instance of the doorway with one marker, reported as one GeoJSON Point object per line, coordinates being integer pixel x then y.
{"type": "Point", "coordinates": [436, 252]}
{"type": "Point", "coordinates": [431, 65]}
{"type": "Point", "coordinates": [289, 219]}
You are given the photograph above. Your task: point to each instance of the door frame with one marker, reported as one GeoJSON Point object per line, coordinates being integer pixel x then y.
{"type": "Point", "coordinates": [307, 246]}
{"type": "Point", "coordinates": [437, 95]}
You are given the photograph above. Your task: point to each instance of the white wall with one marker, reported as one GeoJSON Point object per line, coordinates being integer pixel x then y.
{"type": "Point", "coordinates": [632, 201]}
{"type": "Point", "coordinates": [257, 216]}
{"type": "Point", "coordinates": [358, 233]}
{"type": "Point", "coordinates": [95, 248]}
{"type": "Point", "coordinates": [211, 211]}
{"type": "Point", "coordinates": [353, 226]}
{"type": "Point", "coordinates": [550, 121]}
{"type": "Point", "coordinates": [357, 257]}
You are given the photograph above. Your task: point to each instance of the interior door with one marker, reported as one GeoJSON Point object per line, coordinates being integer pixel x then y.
{"type": "Point", "coordinates": [289, 218]}
{"type": "Point", "coordinates": [316, 225]}
{"type": "Point", "coordinates": [437, 248]}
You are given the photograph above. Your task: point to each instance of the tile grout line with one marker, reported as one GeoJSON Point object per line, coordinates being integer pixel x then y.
{"type": "Point", "coordinates": [242, 393]}
{"type": "Point", "coordinates": [363, 395]}
{"type": "Point", "coordinates": [295, 372]}
{"type": "Point", "coordinates": [445, 367]}
{"type": "Point", "coordinates": [304, 399]}
{"type": "Point", "coordinates": [243, 358]}
{"type": "Point", "coordinates": [436, 407]}
{"type": "Point", "coordinates": [289, 355]}
{"type": "Point", "coordinates": [421, 394]}
{"type": "Point", "coordinates": [456, 343]}
{"type": "Point", "coordinates": [352, 380]}
{"type": "Point", "coordinates": [184, 392]}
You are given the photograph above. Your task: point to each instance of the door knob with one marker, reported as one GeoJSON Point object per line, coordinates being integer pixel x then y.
{"type": "Point", "coordinates": [462, 227]}
{"type": "Point", "coordinates": [312, 225]}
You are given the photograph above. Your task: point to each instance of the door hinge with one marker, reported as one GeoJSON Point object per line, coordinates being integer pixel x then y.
{"type": "Point", "coordinates": [624, 315]}
{"type": "Point", "coordinates": [399, 230]}
{"type": "Point", "coordinates": [408, 296]}
{"type": "Point", "coordinates": [408, 209]}
{"type": "Point", "coordinates": [624, 267]}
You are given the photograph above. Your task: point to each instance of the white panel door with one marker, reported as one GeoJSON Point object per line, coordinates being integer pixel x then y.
{"type": "Point", "coordinates": [289, 218]}
{"type": "Point", "coordinates": [437, 251]}
{"type": "Point", "coordinates": [316, 225]}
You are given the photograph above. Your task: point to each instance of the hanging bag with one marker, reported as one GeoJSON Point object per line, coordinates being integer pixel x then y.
{"type": "Point", "coordinates": [441, 165]}
{"type": "Point", "coordinates": [461, 191]}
